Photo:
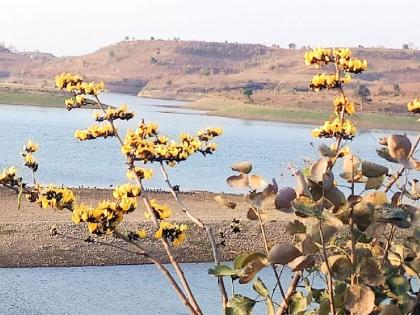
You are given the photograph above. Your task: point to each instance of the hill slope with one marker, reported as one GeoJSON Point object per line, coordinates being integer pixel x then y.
{"type": "Point", "coordinates": [187, 69]}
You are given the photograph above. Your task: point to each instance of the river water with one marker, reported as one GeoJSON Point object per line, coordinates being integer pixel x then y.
{"type": "Point", "coordinates": [125, 290]}
{"type": "Point", "coordinates": [65, 160]}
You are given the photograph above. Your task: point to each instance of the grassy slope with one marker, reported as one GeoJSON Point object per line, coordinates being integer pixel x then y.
{"type": "Point", "coordinates": [31, 99]}
{"type": "Point", "coordinates": [237, 109]}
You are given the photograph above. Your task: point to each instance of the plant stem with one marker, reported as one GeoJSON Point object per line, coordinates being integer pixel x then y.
{"type": "Point", "coordinates": [292, 289]}
{"type": "Point", "coordinates": [203, 226]}
{"type": "Point", "coordinates": [330, 279]}
{"type": "Point", "coordinates": [177, 268]}
{"type": "Point", "coordinates": [264, 237]}
{"type": "Point", "coordinates": [351, 222]}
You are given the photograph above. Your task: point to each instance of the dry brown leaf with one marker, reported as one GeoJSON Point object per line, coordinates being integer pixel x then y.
{"type": "Point", "coordinates": [257, 182]}
{"type": "Point", "coordinates": [359, 299]}
{"type": "Point", "coordinates": [238, 181]}
{"type": "Point", "coordinates": [242, 167]}
{"type": "Point", "coordinates": [283, 253]}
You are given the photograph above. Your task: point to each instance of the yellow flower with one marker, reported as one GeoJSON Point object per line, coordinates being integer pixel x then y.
{"type": "Point", "coordinates": [31, 147]}
{"type": "Point", "coordinates": [142, 233]}
{"type": "Point", "coordinates": [161, 211]}
{"type": "Point", "coordinates": [126, 190]}
{"type": "Point", "coordinates": [172, 232]}
{"type": "Point", "coordinates": [414, 106]}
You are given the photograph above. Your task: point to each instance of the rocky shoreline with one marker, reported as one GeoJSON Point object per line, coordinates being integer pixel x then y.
{"type": "Point", "coordinates": [26, 240]}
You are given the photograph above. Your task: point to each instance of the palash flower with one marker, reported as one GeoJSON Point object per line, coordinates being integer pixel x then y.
{"type": "Point", "coordinates": [171, 231]}
{"type": "Point", "coordinates": [161, 211]}
{"type": "Point", "coordinates": [142, 173]}
{"type": "Point", "coordinates": [414, 106]}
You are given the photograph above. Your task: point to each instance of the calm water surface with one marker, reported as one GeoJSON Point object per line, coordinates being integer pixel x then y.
{"type": "Point", "coordinates": [111, 290]}
{"type": "Point", "coordinates": [65, 160]}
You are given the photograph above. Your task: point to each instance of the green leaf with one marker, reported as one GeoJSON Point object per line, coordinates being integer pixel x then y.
{"type": "Point", "coordinates": [298, 303]}
{"type": "Point", "coordinates": [251, 266]}
{"type": "Point", "coordinates": [393, 215]}
{"type": "Point", "coordinates": [260, 288]}
{"type": "Point", "coordinates": [398, 285]}
{"type": "Point", "coordinates": [238, 262]}
{"type": "Point", "coordinates": [374, 182]}
{"type": "Point", "coordinates": [222, 270]}
{"type": "Point", "coordinates": [305, 207]}
{"type": "Point", "coordinates": [240, 305]}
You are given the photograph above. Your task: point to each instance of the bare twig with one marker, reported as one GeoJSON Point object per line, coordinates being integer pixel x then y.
{"type": "Point", "coordinates": [164, 241]}
{"type": "Point", "coordinates": [203, 226]}
{"type": "Point", "coordinates": [330, 280]}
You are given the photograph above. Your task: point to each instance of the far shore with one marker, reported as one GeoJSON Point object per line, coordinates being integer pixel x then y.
{"type": "Point", "coordinates": [233, 109]}
{"type": "Point", "coordinates": [25, 239]}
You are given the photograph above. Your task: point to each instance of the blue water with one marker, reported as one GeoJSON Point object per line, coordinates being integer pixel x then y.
{"type": "Point", "coordinates": [113, 290]}
{"type": "Point", "coordinates": [65, 160]}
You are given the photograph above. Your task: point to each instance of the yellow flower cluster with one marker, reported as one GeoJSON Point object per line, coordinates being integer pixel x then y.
{"type": "Point", "coordinates": [335, 128]}
{"type": "Point", "coordinates": [161, 211]}
{"type": "Point", "coordinates": [142, 173]}
{"type": "Point", "coordinates": [126, 191]}
{"type": "Point", "coordinates": [209, 133]}
{"type": "Point", "coordinates": [52, 196]}
{"type": "Point", "coordinates": [95, 131]}
{"type": "Point", "coordinates": [318, 57]}
{"type": "Point", "coordinates": [75, 102]}
{"type": "Point", "coordinates": [146, 145]}
{"type": "Point", "coordinates": [327, 81]}
{"type": "Point", "coordinates": [414, 106]}
{"type": "Point", "coordinates": [171, 231]}
{"type": "Point", "coordinates": [104, 218]}
{"type": "Point", "coordinates": [8, 177]}
{"type": "Point", "coordinates": [353, 65]}
{"type": "Point", "coordinates": [75, 83]}
{"type": "Point", "coordinates": [31, 147]}
{"type": "Point", "coordinates": [29, 159]}
{"type": "Point", "coordinates": [342, 101]}
{"type": "Point", "coordinates": [113, 114]}
{"type": "Point", "coordinates": [341, 56]}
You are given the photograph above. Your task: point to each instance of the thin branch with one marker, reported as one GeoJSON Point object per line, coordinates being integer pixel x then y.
{"type": "Point", "coordinates": [330, 280]}
{"type": "Point", "coordinates": [203, 226]}
{"type": "Point", "coordinates": [164, 241]}
{"type": "Point", "coordinates": [290, 292]}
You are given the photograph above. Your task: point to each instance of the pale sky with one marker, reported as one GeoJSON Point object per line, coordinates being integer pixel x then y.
{"type": "Point", "coordinates": [74, 27]}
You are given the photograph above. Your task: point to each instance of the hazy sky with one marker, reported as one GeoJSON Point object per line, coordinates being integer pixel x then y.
{"type": "Point", "coordinates": [82, 26]}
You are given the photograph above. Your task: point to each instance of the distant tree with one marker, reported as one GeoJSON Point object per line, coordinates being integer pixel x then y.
{"type": "Point", "coordinates": [292, 46]}
{"type": "Point", "coordinates": [396, 89]}
{"type": "Point", "coordinates": [111, 54]}
{"type": "Point", "coordinates": [205, 71]}
{"type": "Point", "coordinates": [126, 38]}
{"type": "Point", "coordinates": [169, 82]}
{"type": "Point", "coordinates": [361, 91]}
{"type": "Point", "coordinates": [405, 46]}
{"type": "Point", "coordinates": [248, 93]}
{"type": "Point", "coordinates": [153, 60]}
{"type": "Point", "coordinates": [152, 38]}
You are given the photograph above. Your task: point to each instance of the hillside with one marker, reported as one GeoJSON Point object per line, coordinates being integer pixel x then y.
{"type": "Point", "coordinates": [189, 69]}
